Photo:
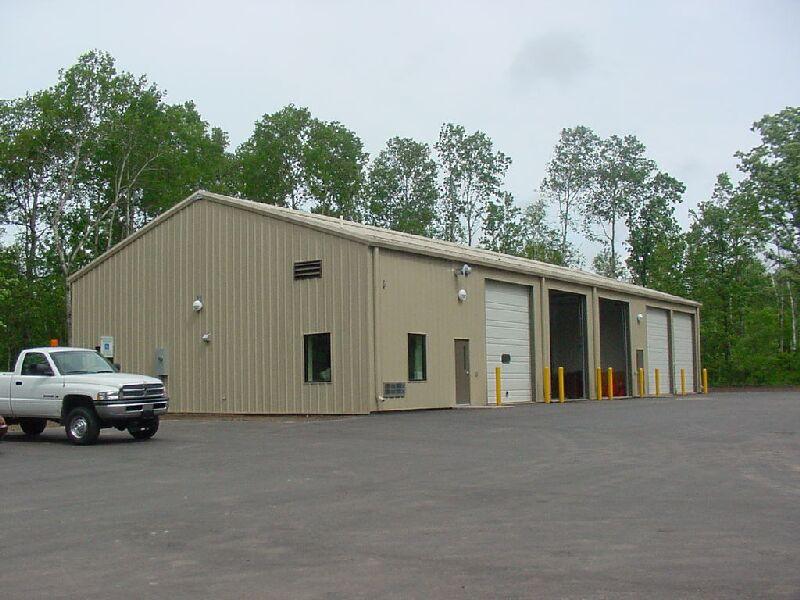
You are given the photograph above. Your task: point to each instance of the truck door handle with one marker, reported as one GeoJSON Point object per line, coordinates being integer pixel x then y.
{"type": "Point", "coordinates": [18, 382]}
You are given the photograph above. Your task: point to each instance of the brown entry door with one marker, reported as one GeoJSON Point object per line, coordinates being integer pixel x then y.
{"type": "Point", "coordinates": [462, 371]}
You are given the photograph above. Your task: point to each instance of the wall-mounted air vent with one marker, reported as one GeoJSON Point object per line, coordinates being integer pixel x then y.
{"type": "Point", "coordinates": [394, 390]}
{"type": "Point", "coordinates": [308, 269]}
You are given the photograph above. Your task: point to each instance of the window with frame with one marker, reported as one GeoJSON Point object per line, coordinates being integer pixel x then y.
{"type": "Point", "coordinates": [317, 358]}
{"type": "Point", "coordinates": [417, 363]}
{"type": "Point", "coordinates": [35, 363]}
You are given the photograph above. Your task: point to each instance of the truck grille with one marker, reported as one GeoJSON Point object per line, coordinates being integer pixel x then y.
{"type": "Point", "coordinates": [143, 391]}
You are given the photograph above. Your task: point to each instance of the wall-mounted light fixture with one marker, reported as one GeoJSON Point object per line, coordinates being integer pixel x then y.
{"type": "Point", "coordinates": [206, 337]}
{"type": "Point", "coordinates": [464, 271]}
{"type": "Point", "coordinates": [197, 305]}
{"type": "Point", "coordinates": [462, 295]}
{"type": "Point", "coordinates": [639, 317]}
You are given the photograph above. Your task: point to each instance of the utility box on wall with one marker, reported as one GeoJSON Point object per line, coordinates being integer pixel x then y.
{"type": "Point", "coordinates": [162, 362]}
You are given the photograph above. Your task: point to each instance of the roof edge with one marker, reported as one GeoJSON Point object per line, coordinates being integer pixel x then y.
{"type": "Point", "coordinates": [194, 196]}
{"type": "Point", "coordinates": [488, 258]}
{"type": "Point", "coordinates": [328, 225]}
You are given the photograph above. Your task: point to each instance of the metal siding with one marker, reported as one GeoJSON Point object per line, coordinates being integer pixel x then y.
{"type": "Point", "coordinates": [241, 263]}
{"type": "Point", "coordinates": [508, 331]}
{"type": "Point", "coordinates": [658, 349]}
{"type": "Point", "coordinates": [420, 296]}
{"type": "Point", "coordinates": [683, 344]}
{"type": "Point", "coordinates": [239, 255]}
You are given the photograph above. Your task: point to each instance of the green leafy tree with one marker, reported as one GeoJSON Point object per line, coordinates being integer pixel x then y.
{"type": "Point", "coordinates": [87, 161]}
{"type": "Point", "coordinates": [785, 286]}
{"type": "Point", "coordinates": [335, 166]}
{"type": "Point", "coordinates": [723, 271]}
{"type": "Point", "coordinates": [42, 299]}
{"type": "Point", "coordinates": [608, 264]}
{"type": "Point", "coordinates": [24, 173]}
{"type": "Point", "coordinates": [618, 190]}
{"type": "Point", "coordinates": [273, 161]}
{"type": "Point", "coordinates": [655, 241]}
{"type": "Point", "coordinates": [773, 178]}
{"type": "Point", "coordinates": [504, 230]}
{"type": "Point", "coordinates": [570, 176]}
{"type": "Point", "coordinates": [542, 241]}
{"type": "Point", "coordinates": [472, 172]}
{"type": "Point", "coordinates": [293, 159]}
{"type": "Point", "coordinates": [193, 157]}
{"type": "Point", "coordinates": [402, 190]}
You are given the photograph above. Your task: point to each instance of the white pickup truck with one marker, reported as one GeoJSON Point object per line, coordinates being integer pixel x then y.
{"type": "Point", "coordinates": [81, 390]}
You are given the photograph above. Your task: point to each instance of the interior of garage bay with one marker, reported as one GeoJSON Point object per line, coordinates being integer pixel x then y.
{"type": "Point", "coordinates": [615, 346]}
{"type": "Point", "coordinates": [568, 346]}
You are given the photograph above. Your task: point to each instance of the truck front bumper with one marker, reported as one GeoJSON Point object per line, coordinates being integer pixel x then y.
{"type": "Point", "coordinates": [124, 411]}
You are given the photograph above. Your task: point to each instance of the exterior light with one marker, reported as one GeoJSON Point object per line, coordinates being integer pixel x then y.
{"type": "Point", "coordinates": [197, 305]}
{"type": "Point", "coordinates": [206, 337]}
{"type": "Point", "coordinates": [466, 270]}
{"type": "Point", "coordinates": [462, 295]}
{"type": "Point", "coordinates": [639, 317]}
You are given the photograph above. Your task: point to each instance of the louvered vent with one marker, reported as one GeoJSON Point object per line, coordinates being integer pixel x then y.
{"type": "Point", "coordinates": [394, 390]}
{"type": "Point", "coordinates": [308, 269]}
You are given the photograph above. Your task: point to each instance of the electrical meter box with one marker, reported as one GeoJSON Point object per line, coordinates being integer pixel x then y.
{"type": "Point", "coordinates": [162, 362]}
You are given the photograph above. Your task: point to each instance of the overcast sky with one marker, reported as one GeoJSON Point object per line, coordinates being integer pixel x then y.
{"type": "Point", "coordinates": [688, 78]}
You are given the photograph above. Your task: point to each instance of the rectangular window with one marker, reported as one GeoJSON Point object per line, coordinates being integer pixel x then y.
{"type": "Point", "coordinates": [417, 370]}
{"type": "Point", "coordinates": [317, 353]}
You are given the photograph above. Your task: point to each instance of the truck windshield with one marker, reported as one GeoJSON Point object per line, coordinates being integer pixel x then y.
{"type": "Point", "coordinates": [77, 362]}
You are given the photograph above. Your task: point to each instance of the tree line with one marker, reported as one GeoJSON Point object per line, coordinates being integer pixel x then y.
{"type": "Point", "coordinates": [91, 159]}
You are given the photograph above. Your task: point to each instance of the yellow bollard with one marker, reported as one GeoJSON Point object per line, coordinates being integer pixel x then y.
{"type": "Point", "coordinates": [641, 382]}
{"type": "Point", "coordinates": [610, 383]}
{"type": "Point", "coordinates": [658, 382]}
{"type": "Point", "coordinates": [683, 382]}
{"type": "Point", "coordinates": [497, 386]}
{"type": "Point", "coordinates": [598, 382]}
{"type": "Point", "coordinates": [561, 384]}
{"type": "Point", "coordinates": [546, 385]}
{"type": "Point", "coordinates": [705, 381]}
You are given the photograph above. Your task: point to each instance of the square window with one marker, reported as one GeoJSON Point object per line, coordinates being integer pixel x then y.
{"type": "Point", "coordinates": [417, 368]}
{"type": "Point", "coordinates": [317, 353]}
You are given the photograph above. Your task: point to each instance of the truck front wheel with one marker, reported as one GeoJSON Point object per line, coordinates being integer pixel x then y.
{"type": "Point", "coordinates": [144, 430]}
{"type": "Point", "coordinates": [32, 426]}
{"type": "Point", "coordinates": [82, 426]}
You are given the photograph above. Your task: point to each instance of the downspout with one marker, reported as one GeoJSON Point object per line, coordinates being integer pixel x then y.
{"type": "Point", "coordinates": [376, 362]}
{"type": "Point", "coordinates": [698, 367]}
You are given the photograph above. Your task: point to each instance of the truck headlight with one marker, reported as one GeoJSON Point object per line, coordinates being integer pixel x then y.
{"type": "Point", "coordinates": [108, 396]}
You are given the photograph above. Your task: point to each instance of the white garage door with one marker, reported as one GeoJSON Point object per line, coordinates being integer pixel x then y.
{"type": "Point", "coordinates": [657, 350]}
{"type": "Point", "coordinates": [508, 332]}
{"type": "Point", "coordinates": [683, 341]}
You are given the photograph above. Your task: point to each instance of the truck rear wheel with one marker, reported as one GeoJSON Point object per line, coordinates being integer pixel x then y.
{"type": "Point", "coordinates": [32, 426]}
{"type": "Point", "coordinates": [82, 426]}
{"type": "Point", "coordinates": [145, 430]}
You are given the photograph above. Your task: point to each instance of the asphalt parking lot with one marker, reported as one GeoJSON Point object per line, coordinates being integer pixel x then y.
{"type": "Point", "coordinates": [677, 498]}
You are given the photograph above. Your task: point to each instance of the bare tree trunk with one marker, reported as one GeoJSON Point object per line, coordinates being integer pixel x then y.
{"type": "Point", "coordinates": [781, 321]}
{"type": "Point", "coordinates": [567, 202]}
{"type": "Point", "coordinates": [793, 314]}
{"type": "Point", "coordinates": [33, 241]}
{"type": "Point", "coordinates": [111, 228]}
{"type": "Point", "coordinates": [727, 326]}
{"type": "Point", "coordinates": [614, 245]}
{"type": "Point", "coordinates": [68, 306]}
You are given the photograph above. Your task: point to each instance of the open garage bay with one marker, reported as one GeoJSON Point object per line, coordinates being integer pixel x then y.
{"type": "Point", "coordinates": [662, 498]}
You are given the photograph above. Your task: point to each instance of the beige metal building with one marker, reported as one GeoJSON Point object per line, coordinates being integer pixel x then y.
{"type": "Point", "coordinates": [249, 308]}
